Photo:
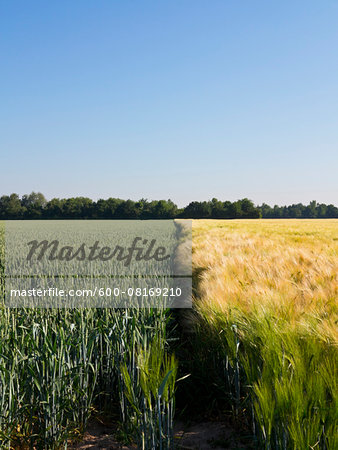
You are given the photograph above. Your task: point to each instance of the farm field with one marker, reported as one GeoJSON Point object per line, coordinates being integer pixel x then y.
{"type": "Point", "coordinates": [59, 366]}
{"type": "Point", "coordinates": [266, 299]}
{"type": "Point", "coordinates": [260, 345]}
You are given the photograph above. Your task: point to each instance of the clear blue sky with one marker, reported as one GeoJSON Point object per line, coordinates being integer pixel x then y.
{"type": "Point", "coordinates": [180, 99]}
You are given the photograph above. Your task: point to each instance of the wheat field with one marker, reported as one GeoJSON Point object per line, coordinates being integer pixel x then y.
{"type": "Point", "coordinates": [266, 299]}
{"type": "Point", "coordinates": [262, 340]}
{"type": "Point", "coordinates": [287, 267]}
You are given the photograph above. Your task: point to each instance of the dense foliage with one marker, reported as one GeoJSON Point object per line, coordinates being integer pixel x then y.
{"type": "Point", "coordinates": [300, 211]}
{"type": "Point", "coordinates": [35, 206]}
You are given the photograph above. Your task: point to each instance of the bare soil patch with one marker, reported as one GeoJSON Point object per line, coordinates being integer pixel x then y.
{"type": "Point", "coordinates": [198, 436]}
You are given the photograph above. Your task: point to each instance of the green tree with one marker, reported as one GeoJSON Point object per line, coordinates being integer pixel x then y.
{"type": "Point", "coordinates": [10, 207]}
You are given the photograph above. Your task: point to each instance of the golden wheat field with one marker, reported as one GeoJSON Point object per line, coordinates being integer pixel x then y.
{"type": "Point", "coordinates": [289, 267]}
{"type": "Point", "coordinates": [266, 296]}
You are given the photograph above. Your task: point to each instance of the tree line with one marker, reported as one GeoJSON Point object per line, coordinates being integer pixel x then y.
{"type": "Point", "coordinates": [299, 211]}
{"type": "Point", "coordinates": [35, 206]}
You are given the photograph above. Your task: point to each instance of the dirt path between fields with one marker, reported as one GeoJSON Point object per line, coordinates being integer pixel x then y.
{"type": "Point", "coordinates": [199, 436]}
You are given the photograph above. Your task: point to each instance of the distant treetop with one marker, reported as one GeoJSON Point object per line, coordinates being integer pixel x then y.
{"type": "Point", "coordinates": [35, 206]}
